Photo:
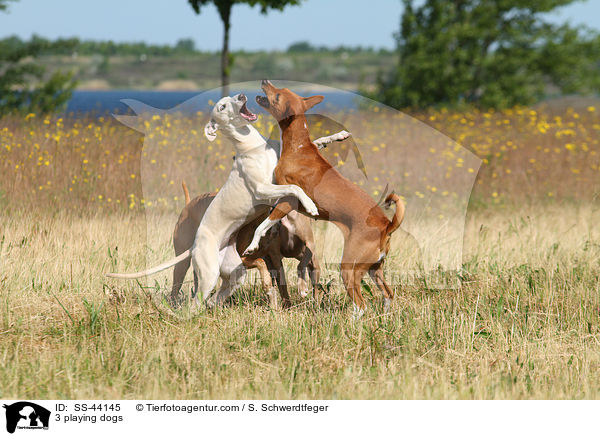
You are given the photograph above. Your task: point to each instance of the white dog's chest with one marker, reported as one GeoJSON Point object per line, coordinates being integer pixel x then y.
{"type": "Point", "coordinates": [258, 165]}
{"type": "Point", "coordinates": [234, 204]}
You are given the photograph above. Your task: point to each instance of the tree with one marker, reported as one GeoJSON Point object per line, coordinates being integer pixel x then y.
{"type": "Point", "coordinates": [22, 84]}
{"type": "Point", "coordinates": [301, 47]}
{"type": "Point", "coordinates": [490, 53]}
{"type": "Point", "coordinates": [185, 45]}
{"type": "Point", "coordinates": [224, 8]}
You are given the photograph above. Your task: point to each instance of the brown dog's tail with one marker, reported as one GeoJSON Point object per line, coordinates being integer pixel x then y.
{"type": "Point", "coordinates": [398, 216]}
{"type": "Point", "coordinates": [185, 192]}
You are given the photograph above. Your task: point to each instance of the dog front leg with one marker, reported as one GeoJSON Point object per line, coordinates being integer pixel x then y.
{"type": "Point", "coordinates": [281, 210]}
{"type": "Point", "coordinates": [324, 140]}
{"type": "Point", "coordinates": [260, 231]}
{"type": "Point", "coordinates": [275, 192]}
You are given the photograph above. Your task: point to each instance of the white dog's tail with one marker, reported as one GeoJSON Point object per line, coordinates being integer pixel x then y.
{"type": "Point", "coordinates": [136, 275]}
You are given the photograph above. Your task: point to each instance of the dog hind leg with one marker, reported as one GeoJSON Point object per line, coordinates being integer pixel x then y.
{"type": "Point", "coordinates": [228, 287]}
{"type": "Point", "coordinates": [232, 270]}
{"type": "Point", "coordinates": [276, 267]}
{"type": "Point", "coordinates": [376, 273]}
{"type": "Point", "coordinates": [205, 259]}
{"type": "Point", "coordinates": [195, 290]}
{"type": "Point", "coordinates": [305, 260]}
{"type": "Point", "coordinates": [266, 279]}
{"type": "Point", "coordinates": [314, 272]}
{"type": "Point", "coordinates": [349, 275]}
{"type": "Point", "coordinates": [357, 258]}
{"type": "Point", "coordinates": [179, 271]}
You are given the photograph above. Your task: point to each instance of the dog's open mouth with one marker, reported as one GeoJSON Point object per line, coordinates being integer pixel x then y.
{"type": "Point", "coordinates": [246, 114]}
{"type": "Point", "coordinates": [263, 101]}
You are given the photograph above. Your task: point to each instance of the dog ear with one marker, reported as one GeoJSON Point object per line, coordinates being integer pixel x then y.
{"type": "Point", "coordinates": [210, 130]}
{"type": "Point", "coordinates": [311, 101]}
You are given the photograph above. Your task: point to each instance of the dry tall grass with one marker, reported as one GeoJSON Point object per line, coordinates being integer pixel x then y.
{"type": "Point", "coordinates": [525, 323]}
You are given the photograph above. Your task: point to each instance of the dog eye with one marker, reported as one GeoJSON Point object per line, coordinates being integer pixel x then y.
{"type": "Point", "coordinates": [222, 107]}
{"type": "Point", "coordinates": [277, 98]}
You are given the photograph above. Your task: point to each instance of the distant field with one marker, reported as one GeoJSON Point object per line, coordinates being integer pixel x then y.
{"type": "Point", "coordinates": [198, 71]}
{"type": "Point", "coordinates": [524, 324]}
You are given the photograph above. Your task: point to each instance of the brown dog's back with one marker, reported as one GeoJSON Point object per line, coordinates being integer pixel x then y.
{"type": "Point", "coordinates": [189, 220]}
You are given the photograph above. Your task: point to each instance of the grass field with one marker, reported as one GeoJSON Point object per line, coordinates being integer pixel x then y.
{"type": "Point", "coordinates": [524, 324]}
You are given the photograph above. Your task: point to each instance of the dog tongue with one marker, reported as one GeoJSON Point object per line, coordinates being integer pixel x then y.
{"type": "Point", "coordinates": [244, 112]}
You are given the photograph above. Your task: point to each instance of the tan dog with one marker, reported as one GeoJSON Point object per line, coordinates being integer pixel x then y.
{"type": "Point", "coordinates": [365, 228]}
{"type": "Point", "coordinates": [293, 238]}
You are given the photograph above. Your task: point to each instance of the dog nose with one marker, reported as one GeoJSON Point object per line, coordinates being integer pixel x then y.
{"type": "Point", "coordinates": [265, 82]}
{"type": "Point", "coordinates": [241, 97]}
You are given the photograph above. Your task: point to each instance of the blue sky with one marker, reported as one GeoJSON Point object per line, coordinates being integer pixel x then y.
{"type": "Point", "coordinates": [321, 22]}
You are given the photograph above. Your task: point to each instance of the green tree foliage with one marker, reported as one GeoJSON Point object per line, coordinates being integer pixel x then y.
{"type": "Point", "coordinates": [4, 4]}
{"type": "Point", "coordinates": [224, 8]}
{"type": "Point", "coordinates": [301, 47]}
{"type": "Point", "coordinates": [185, 45]}
{"type": "Point", "coordinates": [490, 53]}
{"type": "Point", "coordinates": [71, 46]}
{"type": "Point", "coordinates": [23, 85]}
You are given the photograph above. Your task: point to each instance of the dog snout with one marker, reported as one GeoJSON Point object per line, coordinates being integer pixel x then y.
{"type": "Point", "coordinates": [262, 101]}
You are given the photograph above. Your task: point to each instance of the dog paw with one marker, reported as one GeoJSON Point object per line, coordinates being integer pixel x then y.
{"type": "Point", "coordinates": [211, 303]}
{"type": "Point", "coordinates": [310, 207]}
{"type": "Point", "coordinates": [387, 303]}
{"type": "Point", "coordinates": [251, 249]}
{"type": "Point", "coordinates": [273, 301]}
{"type": "Point", "coordinates": [303, 291]}
{"type": "Point", "coordinates": [342, 135]}
{"type": "Point", "coordinates": [357, 312]}
{"type": "Point", "coordinates": [175, 301]}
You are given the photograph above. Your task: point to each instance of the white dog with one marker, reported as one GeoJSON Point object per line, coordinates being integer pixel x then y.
{"type": "Point", "coordinates": [248, 192]}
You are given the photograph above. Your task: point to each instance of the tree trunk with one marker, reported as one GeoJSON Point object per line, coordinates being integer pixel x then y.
{"type": "Point", "coordinates": [225, 16]}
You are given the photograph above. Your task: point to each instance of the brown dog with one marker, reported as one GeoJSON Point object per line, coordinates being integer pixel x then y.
{"type": "Point", "coordinates": [292, 239]}
{"type": "Point", "coordinates": [365, 228]}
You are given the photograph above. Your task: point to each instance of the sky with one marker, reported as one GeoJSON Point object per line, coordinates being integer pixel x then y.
{"type": "Point", "coordinates": [320, 22]}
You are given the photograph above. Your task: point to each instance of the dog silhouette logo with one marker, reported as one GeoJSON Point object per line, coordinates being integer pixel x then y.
{"type": "Point", "coordinates": [387, 151]}
{"type": "Point", "coordinates": [26, 415]}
